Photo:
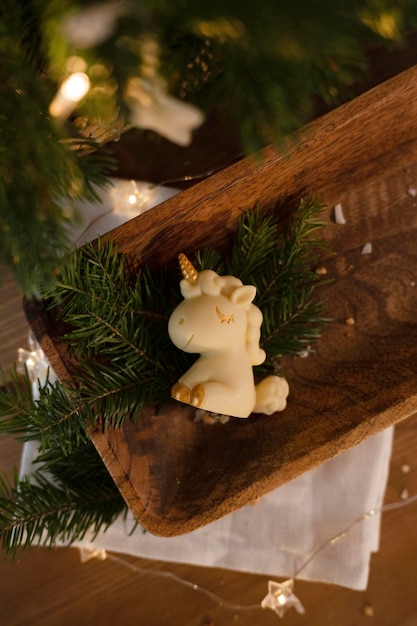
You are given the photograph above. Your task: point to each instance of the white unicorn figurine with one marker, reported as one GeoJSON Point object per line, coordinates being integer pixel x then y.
{"type": "Point", "coordinates": [218, 320]}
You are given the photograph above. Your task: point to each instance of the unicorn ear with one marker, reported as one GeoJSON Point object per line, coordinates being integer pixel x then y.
{"type": "Point", "coordinates": [243, 296]}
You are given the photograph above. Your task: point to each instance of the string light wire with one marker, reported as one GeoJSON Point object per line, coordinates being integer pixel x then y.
{"type": "Point", "coordinates": [279, 597]}
{"type": "Point", "coordinates": [221, 602]}
{"type": "Point", "coordinates": [365, 516]}
{"type": "Point", "coordinates": [185, 583]}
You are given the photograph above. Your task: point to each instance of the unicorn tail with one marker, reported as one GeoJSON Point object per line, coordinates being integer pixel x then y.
{"type": "Point", "coordinates": [271, 395]}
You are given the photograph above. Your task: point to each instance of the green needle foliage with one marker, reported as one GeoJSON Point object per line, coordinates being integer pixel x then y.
{"type": "Point", "coordinates": [37, 511]}
{"type": "Point", "coordinates": [292, 318]}
{"type": "Point", "coordinates": [68, 495]}
{"type": "Point", "coordinates": [41, 172]}
{"type": "Point", "coordinates": [261, 66]}
{"type": "Point", "coordinates": [117, 334]}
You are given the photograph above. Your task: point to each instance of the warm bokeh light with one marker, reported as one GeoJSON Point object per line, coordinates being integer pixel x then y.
{"type": "Point", "coordinates": [75, 87]}
{"type": "Point", "coordinates": [72, 91]}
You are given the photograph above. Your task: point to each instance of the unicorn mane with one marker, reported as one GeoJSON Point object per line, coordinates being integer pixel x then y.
{"type": "Point", "coordinates": [253, 335]}
{"type": "Point", "coordinates": [254, 322]}
{"type": "Point", "coordinates": [210, 283]}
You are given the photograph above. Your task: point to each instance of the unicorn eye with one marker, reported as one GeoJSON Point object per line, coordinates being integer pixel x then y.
{"type": "Point", "coordinates": [223, 317]}
{"type": "Point", "coordinates": [181, 321]}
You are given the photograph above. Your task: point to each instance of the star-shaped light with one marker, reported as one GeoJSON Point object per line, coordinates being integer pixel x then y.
{"type": "Point", "coordinates": [93, 25]}
{"type": "Point", "coordinates": [89, 552]}
{"type": "Point", "coordinates": [130, 198]}
{"type": "Point", "coordinates": [280, 597]}
{"type": "Point", "coordinates": [33, 360]}
{"type": "Point", "coordinates": [153, 109]}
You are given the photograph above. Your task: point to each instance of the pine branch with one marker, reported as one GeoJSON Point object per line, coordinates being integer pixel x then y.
{"type": "Point", "coordinates": [125, 360]}
{"type": "Point", "coordinates": [60, 418]}
{"type": "Point", "coordinates": [39, 512]}
{"type": "Point", "coordinates": [39, 175]}
{"type": "Point", "coordinates": [119, 329]}
{"type": "Point", "coordinates": [279, 261]}
{"type": "Point", "coordinates": [16, 403]}
{"type": "Point", "coordinates": [262, 70]}
{"type": "Point", "coordinates": [72, 491]}
{"type": "Point", "coordinates": [107, 313]}
{"type": "Point", "coordinates": [256, 237]}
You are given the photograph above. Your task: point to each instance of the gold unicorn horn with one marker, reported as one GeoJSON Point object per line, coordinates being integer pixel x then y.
{"type": "Point", "coordinates": [187, 269]}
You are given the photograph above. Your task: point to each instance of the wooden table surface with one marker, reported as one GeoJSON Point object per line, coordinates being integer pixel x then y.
{"type": "Point", "coordinates": [53, 588]}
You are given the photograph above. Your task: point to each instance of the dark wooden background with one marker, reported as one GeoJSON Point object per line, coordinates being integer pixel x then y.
{"type": "Point", "coordinates": [55, 588]}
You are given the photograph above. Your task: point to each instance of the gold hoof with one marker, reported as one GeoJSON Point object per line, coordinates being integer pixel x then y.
{"type": "Point", "coordinates": [181, 393]}
{"type": "Point", "coordinates": [197, 396]}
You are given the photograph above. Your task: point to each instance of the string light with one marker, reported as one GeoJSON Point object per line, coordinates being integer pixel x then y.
{"type": "Point", "coordinates": [152, 108]}
{"type": "Point", "coordinates": [184, 583]}
{"type": "Point", "coordinates": [280, 596]}
{"type": "Point", "coordinates": [72, 91]}
{"type": "Point", "coordinates": [130, 198]}
{"type": "Point", "coordinates": [32, 360]}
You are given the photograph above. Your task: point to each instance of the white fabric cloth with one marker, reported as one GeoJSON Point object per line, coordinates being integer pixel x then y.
{"type": "Point", "coordinates": [277, 535]}
{"type": "Point", "coordinates": [121, 201]}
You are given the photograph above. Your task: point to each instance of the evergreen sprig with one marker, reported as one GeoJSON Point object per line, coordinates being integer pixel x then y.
{"type": "Point", "coordinates": [38, 511]}
{"type": "Point", "coordinates": [117, 333]}
{"type": "Point", "coordinates": [16, 403]}
{"type": "Point", "coordinates": [280, 262]}
{"type": "Point", "coordinates": [292, 318]}
{"type": "Point", "coordinates": [261, 67]}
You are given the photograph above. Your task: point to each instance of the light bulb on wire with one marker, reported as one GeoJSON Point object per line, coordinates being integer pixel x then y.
{"type": "Point", "coordinates": [130, 198]}
{"type": "Point", "coordinates": [69, 94]}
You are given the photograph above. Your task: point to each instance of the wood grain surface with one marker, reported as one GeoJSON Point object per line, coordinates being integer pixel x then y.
{"type": "Point", "coordinates": [47, 588]}
{"type": "Point", "coordinates": [177, 475]}
{"type": "Point", "coordinates": [53, 587]}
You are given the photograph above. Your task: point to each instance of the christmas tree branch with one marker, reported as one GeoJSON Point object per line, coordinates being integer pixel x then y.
{"type": "Point", "coordinates": [37, 511]}
{"type": "Point", "coordinates": [117, 319]}
{"type": "Point", "coordinates": [261, 70]}
{"type": "Point", "coordinates": [119, 335]}
{"type": "Point", "coordinates": [16, 403]}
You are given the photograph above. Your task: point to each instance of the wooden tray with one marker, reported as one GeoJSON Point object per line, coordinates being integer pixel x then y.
{"type": "Point", "coordinates": [177, 475]}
